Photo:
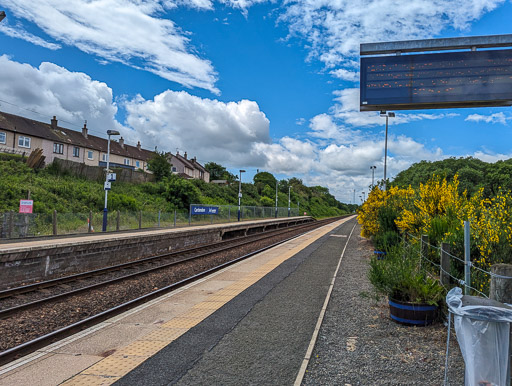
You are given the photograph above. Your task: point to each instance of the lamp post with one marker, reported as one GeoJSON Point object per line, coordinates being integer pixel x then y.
{"type": "Point", "coordinates": [240, 193]}
{"type": "Point", "coordinates": [373, 173]}
{"type": "Point", "coordinates": [289, 188]}
{"type": "Point", "coordinates": [107, 182]}
{"type": "Point", "coordinates": [276, 197]}
{"type": "Point", "coordinates": [387, 115]}
{"type": "Point", "coordinates": [2, 15]}
{"type": "Point", "coordinates": [364, 196]}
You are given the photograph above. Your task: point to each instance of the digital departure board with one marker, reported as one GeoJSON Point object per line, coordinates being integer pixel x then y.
{"type": "Point", "coordinates": [436, 81]}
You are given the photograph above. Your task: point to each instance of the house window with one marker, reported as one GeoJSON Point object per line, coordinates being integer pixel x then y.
{"type": "Point", "coordinates": [2, 137]}
{"type": "Point", "coordinates": [126, 161]}
{"type": "Point", "coordinates": [137, 164]}
{"type": "Point", "coordinates": [174, 169]}
{"type": "Point", "coordinates": [24, 142]}
{"type": "Point", "coordinates": [89, 154]}
{"type": "Point", "coordinates": [76, 151]}
{"type": "Point", "coordinates": [104, 157]}
{"type": "Point", "coordinates": [58, 148]}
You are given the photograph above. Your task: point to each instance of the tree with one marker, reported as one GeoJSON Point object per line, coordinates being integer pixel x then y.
{"type": "Point", "coordinates": [160, 166]}
{"type": "Point", "coordinates": [265, 178]}
{"type": "Point", "coordinates": [180, 193]}
{"type": "Point", "coordinates": [219, 172]}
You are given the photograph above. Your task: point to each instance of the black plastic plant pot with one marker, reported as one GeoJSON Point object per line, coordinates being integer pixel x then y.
{"type": "Point", "coordinates": [412, 314]}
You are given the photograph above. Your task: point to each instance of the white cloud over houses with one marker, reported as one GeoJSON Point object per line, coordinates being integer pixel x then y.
{"type": "Point", "coordinates": [129, 32]}
{"type": "Point", "coordinates": [212, 130]}
{"type": "Point", "coordinates": [53, 90]}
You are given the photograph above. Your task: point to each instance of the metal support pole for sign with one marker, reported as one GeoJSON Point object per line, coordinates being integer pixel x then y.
{"type": "Point", "coordinates": [467, 258]}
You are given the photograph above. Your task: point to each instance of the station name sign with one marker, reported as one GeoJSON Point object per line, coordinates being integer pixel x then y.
{"type": "Point", "coordinates": [439, 80]}
{"type": "Point", "coordinates": [205, 210]}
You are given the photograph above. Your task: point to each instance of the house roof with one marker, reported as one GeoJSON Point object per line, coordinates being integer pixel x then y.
{"type": "Point", "coordinates": [43, 130]}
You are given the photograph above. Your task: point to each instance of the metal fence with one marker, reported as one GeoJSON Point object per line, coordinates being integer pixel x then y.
{"type": "Point", "coordinates": [21, 225]}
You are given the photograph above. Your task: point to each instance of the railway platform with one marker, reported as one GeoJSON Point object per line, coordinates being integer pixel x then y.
{"type": "Point", "coordinates": [251, 323]}
{"type": "Point", "coordinates": [31, 260]}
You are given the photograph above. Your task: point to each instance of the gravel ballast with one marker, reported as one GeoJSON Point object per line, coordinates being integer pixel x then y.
{"type": "Point", "coordinates": [358, 343]}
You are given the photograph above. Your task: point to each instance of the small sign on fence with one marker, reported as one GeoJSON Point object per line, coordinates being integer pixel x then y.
{"type": "Point", "coordinates": [26, 206]}
{"type": "Point", "coordinates": [205, 210]}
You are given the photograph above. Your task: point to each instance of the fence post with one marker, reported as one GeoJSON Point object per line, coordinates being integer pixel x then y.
{"type": "Point", "coordinates": [175, 218]}
{"type": "Point", "coordinates": [467, 258]}
{"type": "Point", "coordinates": [229, 213]}
{"type": "Point", "coordinates": [140, 219]}
{"type": "Point", "coordinates": [189, 217]}
{"type": "Point", "coordinates": [159, 212]}
{"type": "Point", "coordinates": [118, 221]}
{"type": "Point", "coordinates": [11, 223]}
{"type": "Point", "coordinates": [445, 264]}
{"type": "Point", "coordinates": [89, 230]}
{"type": "Point", "coordinates": [424, 247]}
{"type": "Point", "coordinates": [501, 291]}
{"type": "Point", "coordinates": [54, 223]}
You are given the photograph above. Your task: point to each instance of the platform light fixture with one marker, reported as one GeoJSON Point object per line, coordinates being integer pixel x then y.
{"type": "Point", "coordinates": [387, 115]}
{"type": "Point", "coordinates": [276, 196]}
{"type": "Point", "coordinates": [107, 182]}
{"type": "Point", "coordinates": [372, 168]}
{"type": "Point", "coordinates": [240, 193]}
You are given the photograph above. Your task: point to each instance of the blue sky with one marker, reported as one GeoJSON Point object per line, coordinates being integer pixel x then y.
{"type": "Point", "coordinates": [250, 84]}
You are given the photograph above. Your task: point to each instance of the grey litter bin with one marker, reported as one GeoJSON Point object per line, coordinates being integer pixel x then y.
{"type": "Point", "coordinates": [483, 329]}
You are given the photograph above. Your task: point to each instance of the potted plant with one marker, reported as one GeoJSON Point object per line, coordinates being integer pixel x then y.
{"type": "Point", "coordinates": [413, 296]}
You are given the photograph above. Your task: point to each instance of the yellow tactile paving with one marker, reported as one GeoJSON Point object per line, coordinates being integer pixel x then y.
{"type": "Point", "coordinates": [219, 298]}
{"type": "Point", "coordinates": [181, 323]}
{"type": "Point", "coordinates": [210, 305]}
{"type": "Point", "coordinates": [110, 369]}
{"type": "Point", "coordinates": [141, 348]}
{"type": "Point", "coordinates": [165, 334]}
{"type": "Point", "coordinates": [114, 366]}
{"type": "Point", "coordinates": [195, 313]}
{"type": "Point", "coordinates": [90, 380]}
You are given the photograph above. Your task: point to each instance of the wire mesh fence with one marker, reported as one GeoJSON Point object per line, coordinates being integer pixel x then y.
{"type": "Point", "coordinates": [449, 269]}
{"type": "Point", "coordinates": [23, 225]}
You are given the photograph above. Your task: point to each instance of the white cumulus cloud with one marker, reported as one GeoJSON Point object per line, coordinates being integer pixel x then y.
{"type": "Point", "coordinates": [493, 118]}
{"type": "Point", "coordinates": [53, 90]}
{"type": "Point", "coordinates": [130, 32]}
{"type": "Point", "coordinates": [207, 128]}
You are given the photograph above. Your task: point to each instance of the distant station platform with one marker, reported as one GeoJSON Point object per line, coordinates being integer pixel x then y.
{"type": "Point", "coordinates": [254, 322]}
{"type": "Point", "coordinates": [30, 260]}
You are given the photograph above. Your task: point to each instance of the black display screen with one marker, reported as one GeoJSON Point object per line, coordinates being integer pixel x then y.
{"type": "Point", "coordinates": [441, 80]}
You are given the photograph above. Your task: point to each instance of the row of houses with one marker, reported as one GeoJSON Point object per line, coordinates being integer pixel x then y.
{"type": "Point", "coordinates": [22, 135]}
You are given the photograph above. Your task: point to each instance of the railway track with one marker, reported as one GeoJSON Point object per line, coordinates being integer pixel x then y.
{"type": "Point", "coordinates": [38, 314]}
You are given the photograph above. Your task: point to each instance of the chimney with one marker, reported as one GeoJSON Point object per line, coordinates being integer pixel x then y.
{"type": "Point", "coordinates": [121, 142]}
{"type": "Point", "coordinates": [185, 155]}
{"type": "Point", "coordinates": [138, 145]}
{"type": "Point", "coordinates": [84, 130]}
{"type": "Point", "coordinates": [194, 160]}
{"type": "Point", "coordinates": [54, 122]}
